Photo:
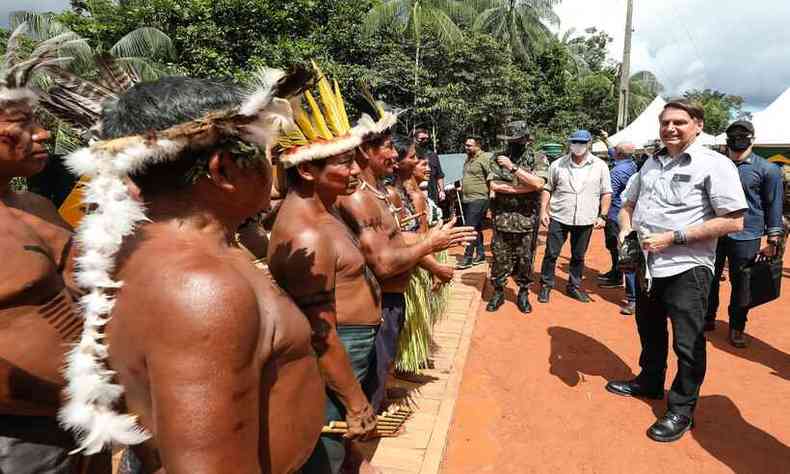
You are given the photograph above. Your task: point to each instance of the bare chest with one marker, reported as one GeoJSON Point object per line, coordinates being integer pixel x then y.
{"type": "Point", "coordinates": [30, 271]}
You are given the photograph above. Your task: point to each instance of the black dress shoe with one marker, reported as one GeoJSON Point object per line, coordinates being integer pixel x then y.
{"type": "Point", "coordinates": [522, 301]}
{"type": "Point", "coordinates": [578, 294]}
{"type": "Point", "coordinates": [543, 296]}
{"type": "Point", "coordinates": [606, 276]}
{"type": "Point", "coordinates": [633, 388]}
{"type": "Point", "coordinates": [496, 300]}
{"type": "Point", "coordinates": [670, 427]}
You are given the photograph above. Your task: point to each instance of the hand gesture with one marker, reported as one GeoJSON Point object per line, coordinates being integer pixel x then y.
{"type": "Point", "coordinates": [360, 423]}
{"type": "Point", "coordinates": [544, 220]}
{"type": "Point", "coordinates": [442, 195]}
{"type": "Point", "coordinates": [769, 248]}
{"type": "Point", "coordinates": [447, 236]}
{"type": "Point", "coordinates": [599, 223]}
{"type": "Point", "coordinates": [444, 273]}
{"type": "Point", "coordinates": [657, 242]}
{"type": "Point", "coordinates": [505, 162]}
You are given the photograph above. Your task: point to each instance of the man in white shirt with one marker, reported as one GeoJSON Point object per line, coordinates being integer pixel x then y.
{"type": "Point", "coordinates": [683, 199]}
{"type": "Point", "coordinates": [575, 200]}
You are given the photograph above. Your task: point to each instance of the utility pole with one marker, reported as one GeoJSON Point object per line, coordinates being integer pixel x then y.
{"type": "Point", "coordinates": [625, 70]}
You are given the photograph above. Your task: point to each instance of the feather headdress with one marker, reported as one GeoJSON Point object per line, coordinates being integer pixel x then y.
{"type": "Point", "coordinates": [91, 391]}
{"type": "Point", "coordinates": [320, 131]}
{"type": "Point", "coordinates": [381, 119]}
{"type": "Point", "coordinates": [17, 70]}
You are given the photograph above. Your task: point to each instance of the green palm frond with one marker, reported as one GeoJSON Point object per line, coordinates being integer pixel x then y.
{"type": "Point", "coordinates": [144, 42]}
{"type": "Point", "coordinates": [519, 23]}
{"type": "Point", "coordinates": [395, 13]}
{"type": "Point", "coordinates": [409, 16]}
{"type": "Point", "coordinates": [446, 28]}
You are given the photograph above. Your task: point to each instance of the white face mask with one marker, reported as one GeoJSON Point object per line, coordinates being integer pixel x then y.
{"type": "Point", "coordinates": [578, 149]}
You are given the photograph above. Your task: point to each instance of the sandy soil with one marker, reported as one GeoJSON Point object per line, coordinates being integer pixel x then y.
{"type": "Point", "coordinates": [533, 400]}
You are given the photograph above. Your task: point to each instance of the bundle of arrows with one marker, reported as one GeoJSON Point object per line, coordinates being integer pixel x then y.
{"type": "Point", "coordinates": [388, 424]}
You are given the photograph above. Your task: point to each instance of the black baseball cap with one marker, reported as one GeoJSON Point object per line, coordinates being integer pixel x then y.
{"type": "Point", "coordinates": [744, 124]}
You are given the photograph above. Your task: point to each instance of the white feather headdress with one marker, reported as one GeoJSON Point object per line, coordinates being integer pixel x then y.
{"type": "Point", "coordinates": [91, 391]}
{"type": "Point", "coordinates": [324, 130]}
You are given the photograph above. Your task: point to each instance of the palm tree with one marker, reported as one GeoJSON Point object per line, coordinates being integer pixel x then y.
{"type": "Point", "coordinates": [643, 87]}
{"type": "Point", "coordinates": [518, 23]}
{"type": "Point", "coordinates": [133, 56]}
{"type": "Point", "coordinates": [575, 47]}
{"type": "Point", "coordinates": [136, 51]}
{"type": "Point", "coordinates": [408, 17]}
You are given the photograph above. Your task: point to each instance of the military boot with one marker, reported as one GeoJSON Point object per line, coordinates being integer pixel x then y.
{"type": "Point", "coordinates": [523, 300]}
{"type": "Point", "coordinates": [497, 299]}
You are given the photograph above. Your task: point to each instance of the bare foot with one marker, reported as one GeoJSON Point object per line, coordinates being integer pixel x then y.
{"type": "Point", "coordinates": [366, 468]}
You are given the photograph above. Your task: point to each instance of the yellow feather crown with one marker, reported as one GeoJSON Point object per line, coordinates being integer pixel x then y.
{"type": "Point", "coordinates": [320, 131]}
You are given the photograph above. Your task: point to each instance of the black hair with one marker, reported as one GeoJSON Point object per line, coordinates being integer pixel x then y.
{"type": "Point", "coordinates": [292, 176]}
{"type": "Point", "coordinates": [375, 139]}
{"type": "Point", "coordinates": [161, 104]}
{"type": "Point", "coordinates": [471, 136]}
{"type": "Point", "coordinates": [164, 103]}
{"type": "Point", "coordinates": [402, 146]}
{"type": "Point", "coordinates": [694, 109]}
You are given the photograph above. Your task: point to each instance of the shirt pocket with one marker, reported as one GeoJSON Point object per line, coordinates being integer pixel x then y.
{"type": "Point", "coordinates": [679, 191]}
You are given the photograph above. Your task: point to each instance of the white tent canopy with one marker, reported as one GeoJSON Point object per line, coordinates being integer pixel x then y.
{"type": "Point", "coordinates": [644, 130]}
{"type": "Point", "coordinates": [772, 125]}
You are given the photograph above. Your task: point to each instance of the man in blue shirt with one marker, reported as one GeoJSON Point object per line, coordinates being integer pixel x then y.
{"type": "Point", "coordinates": [624, 167]}
{"type": "Point", "coordinates": [762, 184]}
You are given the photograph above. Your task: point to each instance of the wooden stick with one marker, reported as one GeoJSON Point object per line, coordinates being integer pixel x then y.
{"type": "Point", "coordinates": [411, 218]}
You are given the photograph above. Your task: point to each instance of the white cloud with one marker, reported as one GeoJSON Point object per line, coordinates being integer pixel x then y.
{"type": "Point", "coordinates": [8, 6]}
{"type": "Point", "coordinates": [735, 47]}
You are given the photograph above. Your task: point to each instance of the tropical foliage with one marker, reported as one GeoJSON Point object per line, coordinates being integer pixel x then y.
{"type": "Point", "coordinates": [456, 66]}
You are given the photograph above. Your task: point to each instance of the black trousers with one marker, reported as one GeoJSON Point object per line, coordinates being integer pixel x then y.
{"type": "Point", "coordinates": [557, 235]}
{"type": "Point", "coordinates": [611, 238]}
{"type": "Point", "coordinates": [737, 253]}
{"type": "Point", "coordinates": [474, 213]}
{"type": "Point", "coordinates": [684, 299]}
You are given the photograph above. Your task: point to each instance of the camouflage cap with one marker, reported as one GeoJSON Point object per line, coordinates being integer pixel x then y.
{"type": "Point", "coordinates": [514, 131]}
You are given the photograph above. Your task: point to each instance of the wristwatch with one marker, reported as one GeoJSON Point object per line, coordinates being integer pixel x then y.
{"type": "Point", "coordinates": [679, 238]}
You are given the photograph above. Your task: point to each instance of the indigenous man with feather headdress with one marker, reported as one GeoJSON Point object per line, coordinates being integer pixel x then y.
{"type": "Point", "coordinates": [373, 218]}
{"type": "Point", "coordinates": [212, 359]}
{"type": "Point", "coordinates": [37, 316]}
{"type": "Point", "coordinates": [316, 258]}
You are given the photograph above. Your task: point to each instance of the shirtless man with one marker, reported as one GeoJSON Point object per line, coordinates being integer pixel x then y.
{"type": "Point", "coordinates": [369, 212]}
{"type": "Point", "coordinates": [37, 318]}
{"type": "Point", "coordinates": [316, 259]}
{"type": "Point", "coordinates": [214, 358]}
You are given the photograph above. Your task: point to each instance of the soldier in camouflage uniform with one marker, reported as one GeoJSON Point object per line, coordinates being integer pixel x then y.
{"type": "Point", "coordinates": [516, 179]}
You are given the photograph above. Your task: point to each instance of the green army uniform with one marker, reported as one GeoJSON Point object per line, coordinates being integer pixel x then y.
{"type": "Point", "coordinates": [516, 223]}
{"type": "Point", "coordinates": [516, 219]}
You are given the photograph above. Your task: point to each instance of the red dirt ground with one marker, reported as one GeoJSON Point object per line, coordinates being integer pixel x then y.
{"type": "Point", "coordinates": [532, 398]}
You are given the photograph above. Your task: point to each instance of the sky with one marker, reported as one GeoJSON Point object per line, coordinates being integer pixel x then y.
{"type": "Point", "coordinates": [740, 48]}
{"type": "Point", "coordinates": [734, 46]}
